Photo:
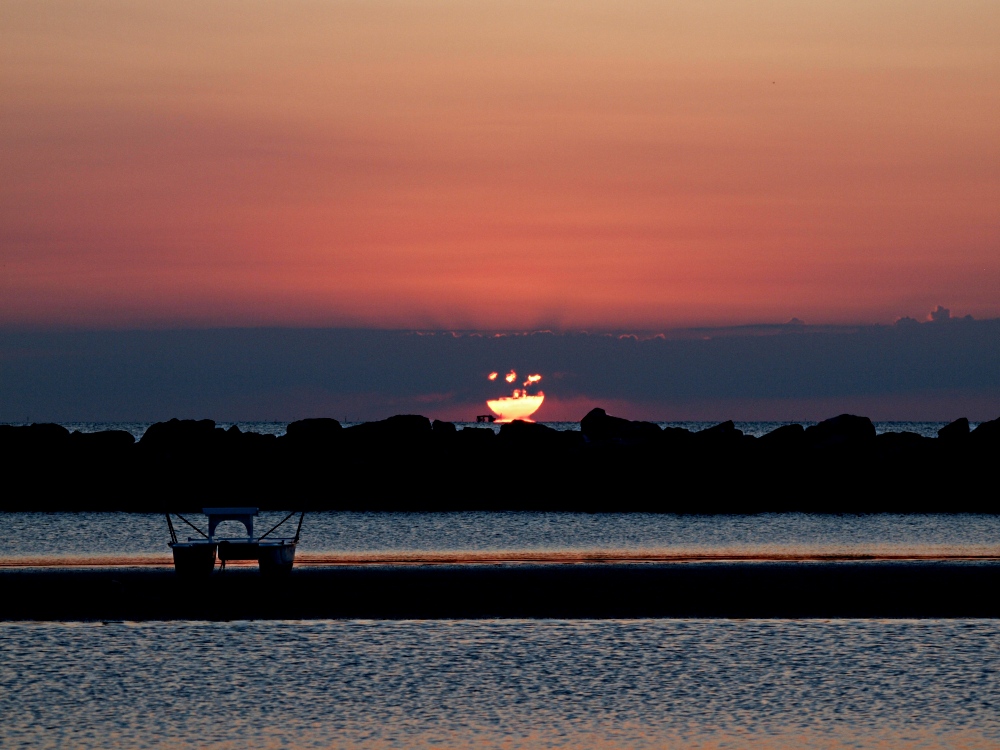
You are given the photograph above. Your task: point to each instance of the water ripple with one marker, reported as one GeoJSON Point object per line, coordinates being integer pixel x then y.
{"type": "Point", "coordinates": [503, 684]}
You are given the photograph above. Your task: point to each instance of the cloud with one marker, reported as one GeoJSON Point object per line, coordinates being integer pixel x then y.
{"type": "Point", "coordinates": [943, 315]}
{"type": "Point", "coordinates": [279, 374]}
{"type": "Point", "coordinates": [940, 315]}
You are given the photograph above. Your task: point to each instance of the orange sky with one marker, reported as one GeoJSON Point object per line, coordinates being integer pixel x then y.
{"type": "Point", "coordinates": [497, 164]}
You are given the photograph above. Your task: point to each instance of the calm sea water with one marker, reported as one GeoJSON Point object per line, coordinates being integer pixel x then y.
{"type": "Point", "coordinates": [502, 684]}
{"type": "Point", "coordinates": [928, 429]}
{"type": "Point", "coordinates": [333, 535]}
{"type": "Point", "coordinates": [505, 684]}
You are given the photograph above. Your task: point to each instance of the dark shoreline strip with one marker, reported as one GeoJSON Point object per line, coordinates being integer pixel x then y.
{"type": "Point", "coordinates": [634, 559]}
{"type": "Point", "coordinates": [324, 560]}
{"type": "Point", "coordinates": [737, 590]}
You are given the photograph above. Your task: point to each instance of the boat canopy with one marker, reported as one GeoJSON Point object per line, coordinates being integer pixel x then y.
{"type": "Point", "coordinates": [216, 516]}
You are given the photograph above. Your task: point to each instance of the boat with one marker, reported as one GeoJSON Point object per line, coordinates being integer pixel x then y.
{"type": "Point", "coordinates": [196, 556]}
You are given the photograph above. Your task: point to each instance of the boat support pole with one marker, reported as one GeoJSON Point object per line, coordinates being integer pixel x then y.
{"type": "Point", "coordinates": [191, 525]}
{"type": "Point", "coordinates": [170, 525]}
{"type": "Point", "coordinates": [276, 525]}
{"type": "Point", "coordinates": [299, 529]}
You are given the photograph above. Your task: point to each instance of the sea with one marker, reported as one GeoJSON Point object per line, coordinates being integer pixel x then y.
{"type": "Point", "coordinates": [659, 683]}
{"type": "Point", "coordinates": [502, 684]}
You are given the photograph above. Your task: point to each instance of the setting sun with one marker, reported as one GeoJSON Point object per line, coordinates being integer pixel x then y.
{"type": "Point", "coordinates": [519, 405]}
{"type": "Point", "coordinates": [509, 408]}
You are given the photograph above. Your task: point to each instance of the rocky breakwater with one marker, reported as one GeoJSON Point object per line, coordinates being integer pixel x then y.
{"type": "Point", "coordinates": [408, 462]}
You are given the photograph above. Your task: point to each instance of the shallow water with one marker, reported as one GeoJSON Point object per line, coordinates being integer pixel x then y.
{"type": "Point", "coordinates": [485, 536]}
{"type": "Point", "coordinates": [506, 684]}
{"type": "Point", "coordinates": [502, 684]}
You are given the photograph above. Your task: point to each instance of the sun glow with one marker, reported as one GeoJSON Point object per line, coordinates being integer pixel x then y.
{"type": "Point", "coordinates": [521, 404]}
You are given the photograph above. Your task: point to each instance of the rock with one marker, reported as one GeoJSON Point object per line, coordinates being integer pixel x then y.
{"type": "Point", "coordinates": [599, 427]}
{"type": "Point", "coordinates": [987, 433]}
{"type": "Point", "coordinates": [35, 440]}
{"type": "Point", "coordinates": [107, 442]}
{"type": "Point", "coordinates": [233, 438]}
{"type": "Point", "coordinates": [177, 430]}
{"type": "Point", "coordinates": [39, 434]}
{"type": "Point", "coordinates": [476, 436]}
{"type": "Point", "coordinates": [253, 446]}
{"type": "Point", "coordinates": [255, 440]}
{"type": "Point", "coordinates": [313, 433]}
{"type": "Point", "coordinates": [443, 428]}
{"type": "Point", "coordinates": [443, 434]}
{"type": "Point", "coordinates": [957, 430]}
{"type": "Point", "coordinates": [46, 432]}
{"type": "Point", "coordinates": [721, 434]}
{"type": "Point", "coordinates": [901, 443]}
{"type": "Point", "coordinates": [846, 430]}
{"type": "Point", "coordinates": [533, 436]}
{"type": "Point", "coordinates": [182, 438]}
{"type": "Point", "coordinates": [676, 437]}
{"type": "Point", "coordinates": [397, 429]}
{"type": "Point", "coordinates": [786, 436]}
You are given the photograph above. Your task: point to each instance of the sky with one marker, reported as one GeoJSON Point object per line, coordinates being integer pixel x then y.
{"type": "Point", "coordinates": [496, 165]}
{"type": "Point", "coordinates": [243, 210]}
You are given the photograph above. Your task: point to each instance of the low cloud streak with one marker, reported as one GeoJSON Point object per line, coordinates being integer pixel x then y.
{"type": "Point", "coordinates": [911, 371]}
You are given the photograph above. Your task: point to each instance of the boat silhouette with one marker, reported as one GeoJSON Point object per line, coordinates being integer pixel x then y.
{"type": "Point", "coordinates": [196, 556]}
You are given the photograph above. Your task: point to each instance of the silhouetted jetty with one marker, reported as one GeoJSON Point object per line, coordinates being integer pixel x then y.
{"type": "Point", "coordinates": [407, 462]}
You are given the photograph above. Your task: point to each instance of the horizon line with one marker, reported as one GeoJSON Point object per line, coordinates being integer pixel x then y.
{"type": "Point", "coordinates": [792, 325]}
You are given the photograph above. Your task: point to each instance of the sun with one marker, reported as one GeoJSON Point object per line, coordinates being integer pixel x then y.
{"type": "Point", "coordinates": [521, 405]}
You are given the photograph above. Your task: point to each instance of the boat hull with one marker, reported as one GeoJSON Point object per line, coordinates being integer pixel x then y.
{"type": "Point", "coordinates": [276, 559]}
{"type": "Point", "coordinates": [194, 558]}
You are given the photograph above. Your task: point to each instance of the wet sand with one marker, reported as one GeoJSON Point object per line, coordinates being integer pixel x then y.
{"type": "Point", "coordinates": [441, 590]}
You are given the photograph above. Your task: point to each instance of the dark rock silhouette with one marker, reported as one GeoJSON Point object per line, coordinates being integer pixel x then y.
{"type": "Point", "coordinates": [987, 433]}
{"type": "Point", "coordinates": [181, 437]}
{"type": "Point", "coordinates": [443, 428]}
{"type": "Point", "coordinates": [676, 437]}
{"type": "Point", "coordinates": [529, 436]}
{"type": "Point", "coordinates": [598, 427]}
{"type": "Point", "coordinates": [250, 443]}
{"type": "Point", "coordinates": [37, 451]}
{"type": "Point", "coordinates": [900, 443]}
{"type": "Point", "coordinates": [724, 434]}
{"type": "Point", "coordinates": [401, 428]}
{"type": "Point", "coordinates": [314, 433]}
{"type": "Point", "coordinates": [957, 430]}
{"type": "Point", "coordinates": [108, 441]}
{"type": "Point", "coordinates": [846, 430]}
{"type": "Point", "coordinates": [475, 436]}
{"type": "Point", "coordinates": [43, 436]}
{"type": "Point", "coordinates": [784, 437]}
{"type": "Point", "coordinates": [407, 462]}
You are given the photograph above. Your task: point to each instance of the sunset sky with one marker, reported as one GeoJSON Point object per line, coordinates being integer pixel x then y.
{"type": "Point", "coordinates": [483, 165]}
